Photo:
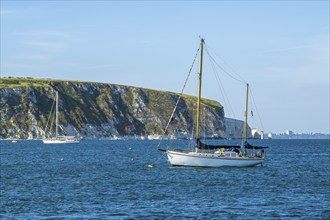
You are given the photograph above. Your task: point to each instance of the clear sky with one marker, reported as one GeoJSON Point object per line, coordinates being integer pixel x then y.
{"type": "Point", "coordinates": [280, 47]}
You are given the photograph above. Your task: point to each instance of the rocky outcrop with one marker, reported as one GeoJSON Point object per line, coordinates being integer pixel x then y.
{"type": "Point", "coordinates": [103, 111]}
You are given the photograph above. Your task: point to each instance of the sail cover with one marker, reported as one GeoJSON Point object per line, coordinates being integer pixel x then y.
{"type": "Point", "coordinates": [203, 146]}
{"type": "Point", "coordinates": [249, 146]}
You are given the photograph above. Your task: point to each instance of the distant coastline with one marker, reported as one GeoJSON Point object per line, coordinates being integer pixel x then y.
{"type": "Point", "coordinates": [292, 135]}
{"type": "Point", "coordinates": [301, 136]}
{"type": "Point", "coordinates": [313, 136]}
{"type": "Point", "coordinates": [107, 111]}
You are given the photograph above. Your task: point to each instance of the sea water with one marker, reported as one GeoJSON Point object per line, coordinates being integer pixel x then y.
{"type": "Point", "coordinates": [111, 180]}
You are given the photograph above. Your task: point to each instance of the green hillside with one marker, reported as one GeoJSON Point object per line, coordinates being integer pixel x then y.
{"type": "Point", "coordinates": [97, 109]}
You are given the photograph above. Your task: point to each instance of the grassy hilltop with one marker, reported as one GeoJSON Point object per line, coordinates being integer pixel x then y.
{"type": "Point", "coordinates": [14, 82]}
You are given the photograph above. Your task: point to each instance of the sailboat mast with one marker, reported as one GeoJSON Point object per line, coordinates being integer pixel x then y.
{"type": "Point", "coordinates": [199, 90]}
{"type": "Point", "coordinates": [56, 114]}
{"type": "Point", "coordinates": [246, 112]}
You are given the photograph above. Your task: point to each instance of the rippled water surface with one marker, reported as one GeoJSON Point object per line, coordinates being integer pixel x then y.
{"type": "Point", "coordinates": [111, 180]}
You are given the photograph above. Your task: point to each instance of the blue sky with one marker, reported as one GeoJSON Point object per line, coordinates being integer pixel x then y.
{"type": "Point", "coordinates": [281, 48]}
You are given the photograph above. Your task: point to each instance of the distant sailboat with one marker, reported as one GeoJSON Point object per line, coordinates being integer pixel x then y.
{"type": "Point", "coordinates": [59, 139]}
{"type": "Point", "coordinates": [204, 155]}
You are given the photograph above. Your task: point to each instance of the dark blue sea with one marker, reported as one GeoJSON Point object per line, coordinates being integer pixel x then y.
{"type": "Point", "coordinates": [111, 180]}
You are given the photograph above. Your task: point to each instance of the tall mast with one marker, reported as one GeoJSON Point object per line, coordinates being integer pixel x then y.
{"type": "Point", "coordinates": [199, 90]}
{"type": "Point", "coordinates": [56, 114]}
{"type": "Point", "coordinates": [246, 114]}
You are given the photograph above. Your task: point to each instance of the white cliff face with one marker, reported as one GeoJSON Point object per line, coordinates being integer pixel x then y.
{"type": "Point", "coordinates": [105, 111]}
{"type": "Point", "coordinates": [104, 131]}
{"type": "Point", "coordinates": [234, 129]}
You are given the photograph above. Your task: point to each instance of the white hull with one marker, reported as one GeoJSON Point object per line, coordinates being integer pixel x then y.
{"type": "Point", "coordinates": [209, 160]}
{"type": "Point", "coordinates": [56, 141]}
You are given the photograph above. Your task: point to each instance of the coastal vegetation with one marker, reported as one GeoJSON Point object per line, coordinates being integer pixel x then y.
{"type": "Point", "coordinates": [98, 110]}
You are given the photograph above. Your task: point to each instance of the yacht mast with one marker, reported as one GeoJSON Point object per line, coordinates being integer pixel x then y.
{"type": "Point", "coordinates": [246, 115]}
{"type": "Point", "coordinates": [56, 114]}
{"type": "Point", "coordinates": [199, 90]}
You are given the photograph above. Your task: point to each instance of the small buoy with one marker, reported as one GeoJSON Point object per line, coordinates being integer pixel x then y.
{"type": "Point", "coordinates": [61, 159]}
{"type": "Point", "coordinates": [150, 166]}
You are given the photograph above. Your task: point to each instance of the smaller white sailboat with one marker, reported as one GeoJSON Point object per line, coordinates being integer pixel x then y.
{"type": "Point", "coordinates": [204, 155]}
{"type": "Point", "coordinates": [59, 139]}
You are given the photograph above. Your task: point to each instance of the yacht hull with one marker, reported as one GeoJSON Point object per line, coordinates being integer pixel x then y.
{"type": "Point", "coordinates": [209, 160]}
{"type": "Point", "coordinates": [50, 141]}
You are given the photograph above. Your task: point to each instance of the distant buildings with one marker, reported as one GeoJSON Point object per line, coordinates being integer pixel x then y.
{"type": "Point", "coordinates": [288, 132]}
{"type": "Point", "coordinates": [291, 135]}
{"type": "Point", "coordinates": [258, 134]}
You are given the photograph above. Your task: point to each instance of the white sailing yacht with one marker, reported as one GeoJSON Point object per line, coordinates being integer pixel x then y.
{"type": "Point", "coordinates": [59, 139]}
{"type": "Point", "coordinates": [216, 155]}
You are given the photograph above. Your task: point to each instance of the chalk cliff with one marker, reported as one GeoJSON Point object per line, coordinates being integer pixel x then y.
{"type": "Point", "coordinates": [102, 111]}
